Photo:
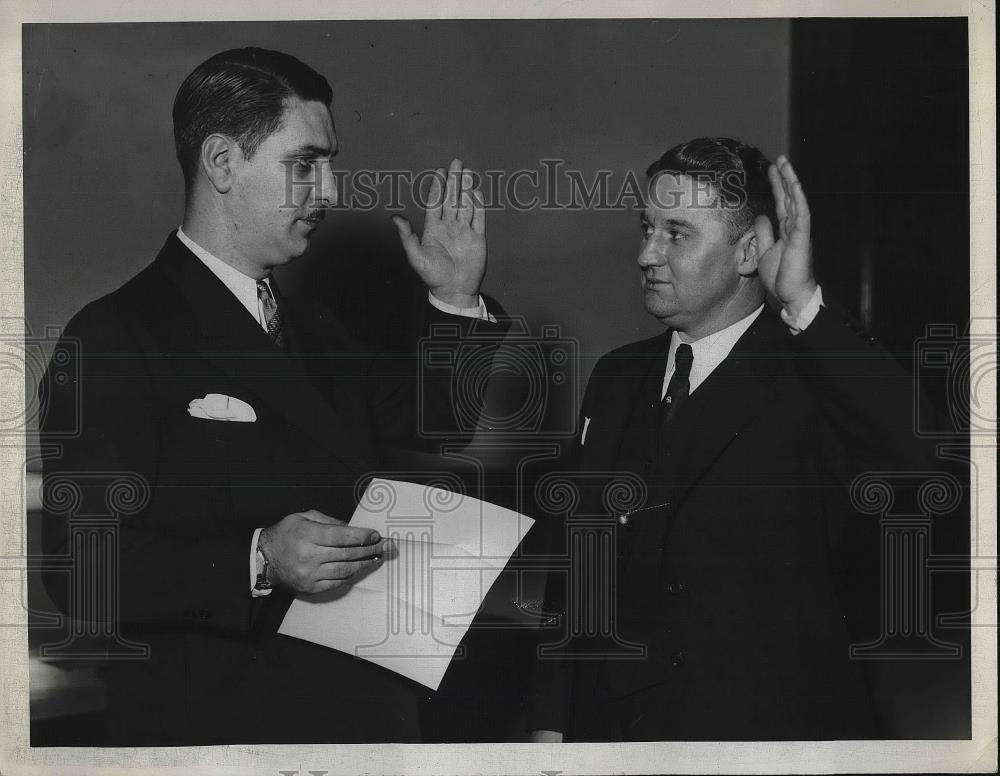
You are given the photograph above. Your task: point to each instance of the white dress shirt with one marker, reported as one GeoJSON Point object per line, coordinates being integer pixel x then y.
{"type": "Point", "coordinates": [244, 288]}
{"type": "Point", "coordinates": [712, 350]}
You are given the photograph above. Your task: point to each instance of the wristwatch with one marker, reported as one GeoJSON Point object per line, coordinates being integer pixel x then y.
{"type": "Point", "coordinates": [263, 564]}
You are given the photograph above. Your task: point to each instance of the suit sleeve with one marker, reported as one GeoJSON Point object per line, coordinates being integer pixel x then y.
{"type": "Point", "coordinates": [867, 407]}
{"type": "Point", "coordinates": [864, 395]}
{"type": "Point", "coordinates": [416, 402]}
{"type": "Point", "coordinates": [175, 561]}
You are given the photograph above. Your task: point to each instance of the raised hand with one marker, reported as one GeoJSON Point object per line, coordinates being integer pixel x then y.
{"type": "Point", "coordinates": [450, 256]}
{"type": "Point", "coordinates": [785, 264]}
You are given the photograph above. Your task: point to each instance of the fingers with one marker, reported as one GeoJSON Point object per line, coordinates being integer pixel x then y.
{"type": "Point", "coordinates": [803, 219]}
{"type": "Point", "coordinates": [478, 213]}
{"type": "Point", "coordinates": [765, 234]}
{"type": "Point", "coordinates": [466, 204]}
{"type": "Point", "coordinates": [795, 201]}
{"type": "Point", "coordinates": [320, 568]}
{"type": "Point", "coordinates": [436, 195]}
{"type": "Point", "coordinates": [787, 171]}
{"type": "Point", "coordinates": [341, 536]}
{"type": "Point", "coordinates": [453, 191]}
{"type": "Point", "coordinates": [347, 569]}
{"type": "Point", "coordinates": [345, 574]}
{"type": "Point", "coordinates": [333, 574]}
{"type": "Point", "coordinates": [789, 198]}
{"type": "Point", "coordinates": [338, 529]}
{"type": "Point", "coordinates": [777, 191]}
{"type": "Point", "coordinates": [796, 193]}
{"type": "Point", "coordinates": [332, 555]}
{"type": "Point", "coordinates": [462, 201]}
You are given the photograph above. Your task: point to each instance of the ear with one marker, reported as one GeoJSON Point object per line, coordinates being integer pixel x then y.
{"type": "Point", "coordinates": [218, 153]}
{"type": "Point", "coordinates": [746, 250]}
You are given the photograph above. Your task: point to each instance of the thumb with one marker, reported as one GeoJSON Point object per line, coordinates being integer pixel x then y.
{"type": "Point", "coordinates": [406, 235]}
{"type": "Point", "coordinates": [765, 234]}
{"type": "Point", "coordinates": [411, 243]}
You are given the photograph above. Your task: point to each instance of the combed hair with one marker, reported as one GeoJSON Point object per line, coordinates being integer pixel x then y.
{"type": "Point", "coordinates": [240, 93]}
{"type": "Point", "coordinates": [737, 172]}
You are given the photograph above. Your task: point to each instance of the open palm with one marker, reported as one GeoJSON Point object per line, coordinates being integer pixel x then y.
{"type": "Point", "coordinates": [785, 263]}
{"type": "Point", "coordinates": [450, 256]}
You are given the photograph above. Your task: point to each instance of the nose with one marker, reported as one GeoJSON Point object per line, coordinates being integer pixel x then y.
{"type": "Point", "coordinates": [325, 194]}
{"type": "Point", "coordinates": [650, 254]}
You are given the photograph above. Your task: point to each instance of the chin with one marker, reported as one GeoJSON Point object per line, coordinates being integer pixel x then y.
{"type": "Point", "coordinates": [656, 307]}
{"type": "Point", "coordinates": [293, 249]}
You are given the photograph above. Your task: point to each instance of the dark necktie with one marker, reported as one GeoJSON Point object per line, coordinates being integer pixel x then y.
{"type": "Point", "coordinates": [677, 393]}
{"type": "Point", "coordinates": [272, 313]}
{"type": "Point", "coordinates": [679, 386]}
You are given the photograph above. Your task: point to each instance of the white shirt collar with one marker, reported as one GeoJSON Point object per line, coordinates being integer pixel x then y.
{"type": "Point", "coordinates": [243, 287]}
{"type": "Point", "coordinates": [708, 352]}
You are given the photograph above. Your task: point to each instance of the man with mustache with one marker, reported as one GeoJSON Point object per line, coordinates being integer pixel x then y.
{"type": "Point", "coordinates": [249, 419]}
{"type": "Point", "coordinates": [744, 429]}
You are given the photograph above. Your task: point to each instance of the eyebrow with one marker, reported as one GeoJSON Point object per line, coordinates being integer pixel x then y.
{"type": "Point", "coordinates": [312, 150]}
{"type": "Point", "coordinates": [670, 222]}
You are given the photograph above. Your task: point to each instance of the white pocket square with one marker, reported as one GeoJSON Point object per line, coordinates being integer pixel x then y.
{"type": "Point", "coordinates": [217, 406]}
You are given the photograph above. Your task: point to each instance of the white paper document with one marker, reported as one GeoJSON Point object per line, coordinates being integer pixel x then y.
{"type": "Point", "coordinates": [410, 613]}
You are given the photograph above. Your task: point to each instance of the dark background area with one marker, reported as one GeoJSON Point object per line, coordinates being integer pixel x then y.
{"type": "Point", "coordinates": [879, 134]}
{"type": "Point", "coordinates": [874, 114]}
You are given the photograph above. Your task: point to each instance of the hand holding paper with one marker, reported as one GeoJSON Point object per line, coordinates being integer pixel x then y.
{"type": "Point", "coordinates": [410, 613]}
{"type": "Point", "coordinates": [311, 553]}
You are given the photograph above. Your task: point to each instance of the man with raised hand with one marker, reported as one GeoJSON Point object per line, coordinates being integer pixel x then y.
{"type": "Point", "coordinates": [746, 428]}
{"type": "Point", "coordinates": [252, 421]}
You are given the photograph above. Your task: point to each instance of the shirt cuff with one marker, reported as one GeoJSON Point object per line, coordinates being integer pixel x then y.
{"type": "Point", "coordinates": [253, 567]}
{"type": "Point", "coordinates": [479, 311]}
{"type": "Point", "coordinates": [800, 323]}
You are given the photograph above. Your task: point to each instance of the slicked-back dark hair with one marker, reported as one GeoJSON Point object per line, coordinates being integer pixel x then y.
{"type": "Point", "coordinates": [240, 93]}
{"type": "Point", "coordinates": [737, 172]}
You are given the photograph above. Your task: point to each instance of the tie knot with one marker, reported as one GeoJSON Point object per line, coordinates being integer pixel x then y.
{"type": "Point", "coordinates": [683, 359]}
{"type": "Point", "coordinates": [263, 290]}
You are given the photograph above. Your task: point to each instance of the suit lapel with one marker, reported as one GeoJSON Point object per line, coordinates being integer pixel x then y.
{"type": "Point", "coordinates": [633, 395]}
{"type": "Point", "coordinates": [736, 393]}
{"type": "Point", "coordinates": [230, 339]}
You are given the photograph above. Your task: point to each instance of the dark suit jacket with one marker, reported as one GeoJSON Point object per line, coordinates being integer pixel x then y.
{"type": "Point", "coordinates": [217, 671]}
{"type": "Point", "coordinates": [731, 579]}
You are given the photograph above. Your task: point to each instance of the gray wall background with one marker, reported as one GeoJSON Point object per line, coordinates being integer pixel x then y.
{"type": "Point", "coordinates": [103, 189]}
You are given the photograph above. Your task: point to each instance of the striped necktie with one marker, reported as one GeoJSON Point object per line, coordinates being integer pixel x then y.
{"type": "Point", "coordinates": [679, 385]}
{"type": "Point", "coordinates": [267, 294]}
